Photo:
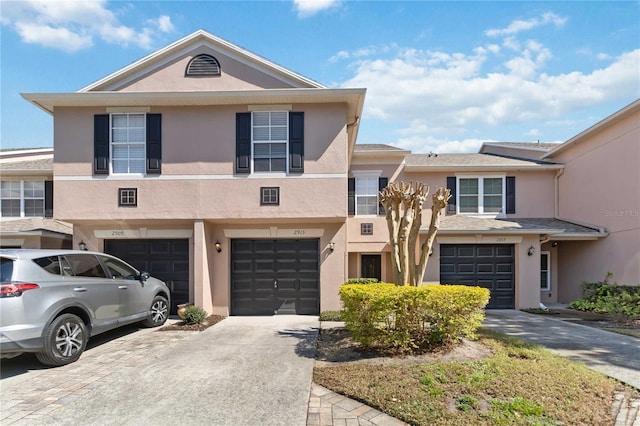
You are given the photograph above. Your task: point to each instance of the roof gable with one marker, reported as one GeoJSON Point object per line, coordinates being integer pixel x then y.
{"type": "Point", "coordinates": [165, 70]}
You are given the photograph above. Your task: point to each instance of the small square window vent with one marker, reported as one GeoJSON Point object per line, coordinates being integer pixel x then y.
{"type": "Point", "coordinates": [366, 228]}
{"type": "Point", "coordinates": [269, 196]}
{"type": "Point", "coordinates": [127, 197]}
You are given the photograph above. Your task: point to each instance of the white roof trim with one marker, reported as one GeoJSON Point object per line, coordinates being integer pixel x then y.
{"type": "Point", "coordinates": [524, 148]}
{"type": "Point", "coordinates": [485, 168]}
{"type": "Point", "coordinates": [176, 49]}
{"type": "Point", "coordinates": [47, 101]}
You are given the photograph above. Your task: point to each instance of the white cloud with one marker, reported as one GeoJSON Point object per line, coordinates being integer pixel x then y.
{"type": "Point", "coordinates": [440, 94]}
{"type": "Point", "coordinates": [519, 25]}
{"type": "Point", "coordinates": [308, 8]}
{"type": "Point", "coordinates": [72, 25]}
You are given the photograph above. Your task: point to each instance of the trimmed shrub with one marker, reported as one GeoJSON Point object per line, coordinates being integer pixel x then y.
{"type": "Point", "coordinates": [619, 300]}
{"type": "Point", "coordinates": [331, 316]}
{"type": "Point", "coordinates": [408, 318]}
{"type": "Point", "coordinates": [362, 281]}
{"type": "Point", "coordinates": [194, 315]}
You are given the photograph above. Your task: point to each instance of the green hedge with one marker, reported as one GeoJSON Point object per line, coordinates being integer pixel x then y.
{"type": "Point", "coordinates": [407, 318]}
{"type": "Point", "coordinates": [602, 297]}
{"type": "Point", "coordinates": [362, 281]}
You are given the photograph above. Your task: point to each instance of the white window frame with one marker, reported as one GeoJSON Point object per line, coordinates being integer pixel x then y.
{"type": "Point", "coordinates": [548, 254]}
{"type": "Point", "coordinates": [23, 198]}
{"type": "Point", "coordinates": [367, 174]}
{"type": "Point", "coordinates": [270, 141]}
{"type": "Point", "coordinates": [128, 143]}
{"type": "Point", "coordinates": [480, 179]}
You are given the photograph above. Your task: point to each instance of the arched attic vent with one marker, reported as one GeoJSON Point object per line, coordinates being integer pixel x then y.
{"type": "Point", "coordinates": [203, 65]}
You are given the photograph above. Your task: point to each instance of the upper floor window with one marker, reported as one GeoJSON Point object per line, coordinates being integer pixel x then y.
{"type": "Point", "coordinates": [363, 193]}
{"type": "Point", "coordinates": [128, 142]}
{"type": "Point", "coordinates": [366, 195]}
{"type": "Point", "coordinates": [481, 195]}
{"type": "Point", "coordinates": [270, 136]}
{"type": "Point", "coordinates": [22, 198]}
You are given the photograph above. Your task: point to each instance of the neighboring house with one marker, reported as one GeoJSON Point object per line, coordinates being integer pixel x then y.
{"type": "Point", "coordinates": [529, 221]}
{"type": "Point", "coordinates": [240, 184]}
{"type": "Point", "coordinates": [26, 202]}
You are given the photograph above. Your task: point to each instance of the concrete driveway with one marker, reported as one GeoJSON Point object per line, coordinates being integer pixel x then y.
{"type": "Point", "coordinates": [242, 371]}
{"type": "Point", "coordinates": [612, 354]}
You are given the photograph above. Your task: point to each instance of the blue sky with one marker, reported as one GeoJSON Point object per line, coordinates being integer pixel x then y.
{"type": "Point", "coordinates": [440, 76]}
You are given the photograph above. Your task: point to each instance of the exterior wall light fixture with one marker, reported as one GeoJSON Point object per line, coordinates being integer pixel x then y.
{"type": "Point", "coordinates": [82, 245]}
{"type": "Point", "coordinates": [531, 251]}
{"type": "Point", "coordinates": [218, 246]}
{"type": "Point", "coordinates": [332, 246]}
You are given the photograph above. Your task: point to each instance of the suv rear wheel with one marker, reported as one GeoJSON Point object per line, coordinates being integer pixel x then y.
{"type": "Point", "coordinates": [64, 341]}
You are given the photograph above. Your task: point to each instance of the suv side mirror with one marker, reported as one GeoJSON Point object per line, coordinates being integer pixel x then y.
{"type": "Point", "coordinates": [144, 276]}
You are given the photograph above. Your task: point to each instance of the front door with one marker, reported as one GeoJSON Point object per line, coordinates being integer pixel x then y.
{"type": "Point", "coordinates": [371, 266]}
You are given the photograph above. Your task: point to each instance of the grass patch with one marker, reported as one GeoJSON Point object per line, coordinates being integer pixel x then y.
{"type": "Point", "coordinates": [520, 384]}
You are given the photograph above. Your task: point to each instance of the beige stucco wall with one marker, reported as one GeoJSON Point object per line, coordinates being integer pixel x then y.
{"type": "Point", "coordinates": [197, 179]}
{"type": "Point", "coordinates": [601, 186]}
{"type": "Point", "coordinates": [235, 75]}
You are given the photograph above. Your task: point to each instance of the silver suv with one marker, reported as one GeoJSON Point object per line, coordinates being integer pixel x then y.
{"type": "Point", "coordinates": [52, 301]}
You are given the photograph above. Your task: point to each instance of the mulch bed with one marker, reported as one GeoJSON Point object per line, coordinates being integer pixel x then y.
{"type": "Point", "coordinates": [182, 326]}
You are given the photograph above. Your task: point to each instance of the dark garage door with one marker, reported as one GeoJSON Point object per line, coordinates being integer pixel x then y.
{"type": "Point", "coordinates": [275, 277]}
{"type": "Point", "coordinates": [483, 265]}
{"type": "Point", "coordinates": [167, 260]}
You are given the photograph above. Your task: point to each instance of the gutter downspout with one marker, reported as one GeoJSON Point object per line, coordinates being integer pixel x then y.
{"type": "Point", "coordinates": [556, 189]}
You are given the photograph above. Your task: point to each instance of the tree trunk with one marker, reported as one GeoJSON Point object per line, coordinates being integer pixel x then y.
{"type": "Point", "coordinates": [403, 212]}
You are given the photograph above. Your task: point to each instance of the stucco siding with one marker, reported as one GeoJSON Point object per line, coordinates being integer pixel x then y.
{"type": "Point", "coordinates": [235, 75]}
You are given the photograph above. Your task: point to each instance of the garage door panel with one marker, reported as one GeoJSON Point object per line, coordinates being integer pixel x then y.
{"type": "Point", "coordinates": [504, 251]}
{"type": "Point", "coordinates": [294, 264]}
{"type": "Point", "coordinates": [466, 252]}
{"type": "Point", "coordinates": [485, 252]}
{"type": "Point", "coordinates": [485, 268]}
{"type": "Point", "coordinates": [166, 259]}
{"type": "Point", "coordinates": [504, 268]}
{"type": "Point", "coordinates": [483, 265]}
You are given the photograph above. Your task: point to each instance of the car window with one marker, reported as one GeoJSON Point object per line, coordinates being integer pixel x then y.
{"type": "Point", "coordinates": [51, 264]}
{"type": "Point", "coordinates": [6, 269]}
{"type": "Point", "coordinates": [85, 265]}
{"type": "Point", "coordinates": [118, 269]}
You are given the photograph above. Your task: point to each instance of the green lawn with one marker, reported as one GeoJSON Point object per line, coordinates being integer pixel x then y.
{"type": "Point", "coordinates": [521, 384]}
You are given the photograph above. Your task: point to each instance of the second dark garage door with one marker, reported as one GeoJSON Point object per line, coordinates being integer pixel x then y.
{"type": "Point", "coordinates": [275, 277]}
{"type": "Point", "coordinates": [483, 265]}
{"type": "Point", "coordinates": [166, 259]}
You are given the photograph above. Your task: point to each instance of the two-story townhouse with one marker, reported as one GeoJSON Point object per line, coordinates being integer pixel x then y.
{"type": "Point", "coordinates": [600, 184]}
{"type": "Point", "coordinates": [214, 169]}
{"type": "Point", "coordinates": [26, 201]}
{"type": "Point", "coordinates": [499, 230]}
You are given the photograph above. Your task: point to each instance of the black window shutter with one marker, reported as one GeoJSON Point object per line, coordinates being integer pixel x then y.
{"type": "Point", "coordinates": [511, 194]}
{"type": "Point", "coordinates": [101, 144]}
{"type": "Point", "coordinates": [48, 198]}
{"type": "Point", "coordinates": [382, 184]}
{"type": "Point", "coordinates": [296, 142]}
{"type": "Point", "coordinates": [154, 143]}
{"type": "Point", "coordinates": [351, 195]}
{"type": "Point", "coordinates": [243, 142]}
{"type": "Point", "coordinates": [451, 184]}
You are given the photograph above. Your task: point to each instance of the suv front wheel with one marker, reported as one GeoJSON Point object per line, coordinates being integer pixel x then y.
{"type": "Point", "coordinates": [64, 341]}
{"type": "Point", "coordinates": [159, 312]}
